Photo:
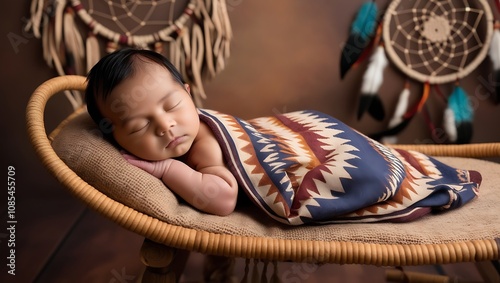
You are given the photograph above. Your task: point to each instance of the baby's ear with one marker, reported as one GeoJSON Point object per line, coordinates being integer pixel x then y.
{"type": "Point", "coordinates": [188, 89]}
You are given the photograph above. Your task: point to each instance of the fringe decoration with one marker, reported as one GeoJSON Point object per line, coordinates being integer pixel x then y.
{"type": "Point", "coordinates": [198, 41]}
{"type": "Point", "coordinates": [372, 80]}
{"type": "Point", "coordinates": [275, 278]}
{"type": "Point", "coordinates": [92, 51]}
{"type": "Point", "coordinates": [263, 277]}
{"type": "Point", "coordinates": [399, 112]}
{"type": "Point", "coordinates": [36, 19]}
{"type": "Point", "coordinates": [75, 50]}
{"type": "Point", "coordinates": [197, 51]}
{"type": "Point", "coordinates": [208, 31]}
{"type": "Point", "coordinates": [45, 41]}
{"type": "Point", "coordinates": [255, 271]}
{"type": "Point", "coordinates": [59, 6]}
{"type": "Point", "coordinates": [260, 275]}
{"type": "Point", "coordinates": [494, 53]}
{"type": "Point", "coordinates": [247, 269]}
{"type": "Point", "coordinates": [224, 33]}
{"type": "Point", "coordinates": [457, 120]}
{"type": "Point", "coordinates": [362, 30]}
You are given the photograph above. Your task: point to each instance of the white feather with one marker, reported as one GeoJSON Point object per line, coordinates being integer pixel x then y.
{"type": "Point", "coordinates": [494, 51]}
{"type": "Point", "coordinates": [397, 118]}
{"type": "Point", "coordinates": [373, 78]}
{"type": "Point", "coordinates": [449, 124]}
{"type": "Point", "coordinates": [401, 107]}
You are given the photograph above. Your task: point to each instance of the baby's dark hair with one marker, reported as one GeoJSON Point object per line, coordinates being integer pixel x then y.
{"type": "Point", "coordinates": [111, 70]}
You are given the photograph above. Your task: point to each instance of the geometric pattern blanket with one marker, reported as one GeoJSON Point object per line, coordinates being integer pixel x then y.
{"type": "Point", "coordinates": [307, 167]}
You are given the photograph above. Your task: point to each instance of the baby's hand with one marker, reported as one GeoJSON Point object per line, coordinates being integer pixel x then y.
{"type": "Point", "coordinates": [155, 168]}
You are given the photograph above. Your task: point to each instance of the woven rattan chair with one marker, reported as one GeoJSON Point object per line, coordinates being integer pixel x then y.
{"type": "Point", "coordinates": [468, 234]}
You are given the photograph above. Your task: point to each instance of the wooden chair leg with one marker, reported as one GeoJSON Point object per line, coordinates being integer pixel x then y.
{"type": "Point", "coordinates": [163, 264]}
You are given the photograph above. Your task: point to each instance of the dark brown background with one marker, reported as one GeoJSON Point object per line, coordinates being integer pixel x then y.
{"type": "Point", "coordinates": [284, 57]}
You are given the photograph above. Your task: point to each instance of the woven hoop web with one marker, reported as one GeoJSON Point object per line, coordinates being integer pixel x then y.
{"type": "Point", "coordinates": [134, 23]}
{"type": "Point", "coordinates": [437, 41]}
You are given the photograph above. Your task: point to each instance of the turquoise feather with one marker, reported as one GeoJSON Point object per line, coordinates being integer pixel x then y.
{"type": "Point", "coordinates": [366, 20]}
{"type": "Point", "coordinates": [460, 104]}
{"type": "Point", "coordinates": [462, 111]}
{"type": "Point", "coordinates": [362, 30]}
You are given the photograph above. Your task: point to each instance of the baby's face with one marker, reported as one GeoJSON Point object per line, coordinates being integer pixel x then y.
{"type": "Point", "coordinates": [153, 116]}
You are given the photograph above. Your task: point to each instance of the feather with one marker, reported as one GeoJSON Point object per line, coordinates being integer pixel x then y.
{"type": "Point", "coordinates": [494, 53]}
{"type": "Point", "coordinates": [401, 107]}
{"type": "Point", "coordinates": [449, 124]}
{"type": "Point", "coordinates": [406, 118]}
{"type": "Point", "coordinates": [372, 80]}
{"type": "Point", "coordinates": [399, 112]}
{"type": "Point", "coordinates": [458, 117]}
{"type": "Point", "coordinates": [362, 30]}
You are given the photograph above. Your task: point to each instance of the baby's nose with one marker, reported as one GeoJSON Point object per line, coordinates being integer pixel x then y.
{"type": "Point", "coordinates": [164, 125]}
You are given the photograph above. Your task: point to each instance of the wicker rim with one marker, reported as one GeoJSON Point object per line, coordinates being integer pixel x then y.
{"type": "Point", "coordinates": [233, 245]}
{"type": "Point", "coordinates": [444, 78]}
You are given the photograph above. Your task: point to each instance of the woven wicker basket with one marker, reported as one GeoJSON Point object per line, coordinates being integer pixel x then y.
{"type": "Point", "coordinates": [250, 246]}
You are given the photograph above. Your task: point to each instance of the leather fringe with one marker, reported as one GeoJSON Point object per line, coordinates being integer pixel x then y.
{"type": "Point", "coordinates": [198, 41]}
{"type": "Point", "coordinates": [260, 275]}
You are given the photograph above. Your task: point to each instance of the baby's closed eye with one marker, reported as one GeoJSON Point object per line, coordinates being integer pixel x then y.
{"type": "Point", "coordinates": [138, 127]}
{"type": "Point", "coordinates": [169, 105]}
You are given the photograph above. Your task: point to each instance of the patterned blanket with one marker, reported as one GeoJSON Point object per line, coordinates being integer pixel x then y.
{"type": "Point", "coordinates": [307, 167]}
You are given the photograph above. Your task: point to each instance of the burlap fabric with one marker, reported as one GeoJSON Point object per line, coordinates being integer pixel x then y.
{"type": "Point", "coordinates": [80, 145]}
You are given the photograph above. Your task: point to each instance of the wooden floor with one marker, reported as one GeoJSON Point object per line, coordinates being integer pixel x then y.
{"type": "Point", "coordinates": [59, 240]}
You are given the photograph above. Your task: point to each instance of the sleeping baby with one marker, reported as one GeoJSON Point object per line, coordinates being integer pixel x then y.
{"type": "Point", "coordinates": [299, 167]}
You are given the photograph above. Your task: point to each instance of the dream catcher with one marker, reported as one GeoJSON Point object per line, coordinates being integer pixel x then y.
{"type": "Point", "coordinates": [433, 42]}
{"type": "Point", "coordinates": [194, 34]}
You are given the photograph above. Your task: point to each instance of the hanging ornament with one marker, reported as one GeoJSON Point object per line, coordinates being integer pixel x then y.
{"type": "Point", "coordinates": [434, 42]}
{"type": "Point", "coordinates": [361, 33]}
{"type": "Point", "coordinates": [457, 120]}
{"type": "Point", "coordinates": [114, 24]}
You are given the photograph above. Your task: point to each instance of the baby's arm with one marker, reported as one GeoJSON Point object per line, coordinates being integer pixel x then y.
{"type": "Point", "coordinates": [209, 192]}
{"type": "Point", "coordinates": [205, 190]}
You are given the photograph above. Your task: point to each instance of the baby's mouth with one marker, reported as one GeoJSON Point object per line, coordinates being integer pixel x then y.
{"type": "Point", "coordinates": [175, 141]}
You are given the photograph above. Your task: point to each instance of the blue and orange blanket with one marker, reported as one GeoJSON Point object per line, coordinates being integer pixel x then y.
{"type": "Point", "coordinates": [307, 167]}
